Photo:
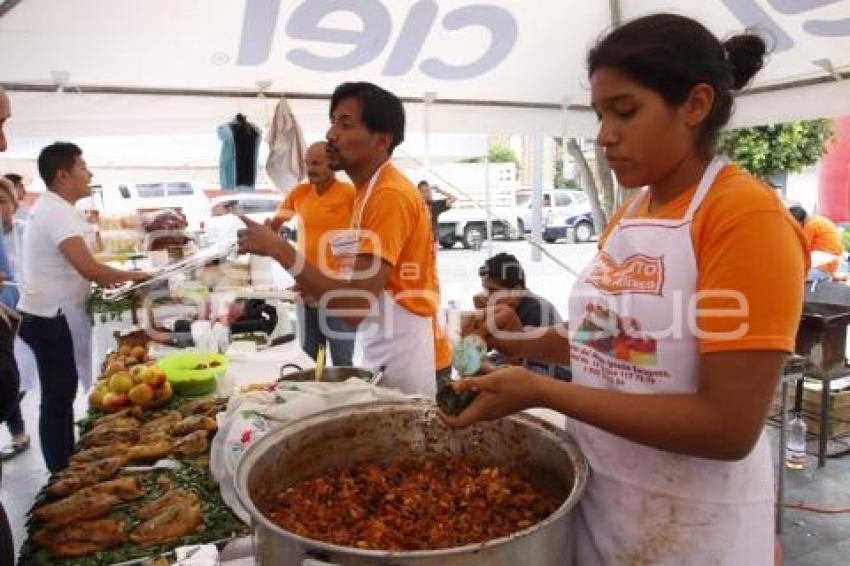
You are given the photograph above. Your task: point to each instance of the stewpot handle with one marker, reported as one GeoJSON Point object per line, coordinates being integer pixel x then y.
{"type": "Point", "coordinates": [283, 369]}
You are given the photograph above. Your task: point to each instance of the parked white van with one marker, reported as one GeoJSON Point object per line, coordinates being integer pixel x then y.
{"type": "Point", "coordinates": [127, 198]}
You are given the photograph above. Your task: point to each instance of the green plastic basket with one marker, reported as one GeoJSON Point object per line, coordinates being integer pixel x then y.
{"type": "Point", "coordinates": [185, 379]}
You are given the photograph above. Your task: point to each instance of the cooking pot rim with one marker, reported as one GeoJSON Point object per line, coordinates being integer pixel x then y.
{"type": "Point", "coordinates": [257, 449]}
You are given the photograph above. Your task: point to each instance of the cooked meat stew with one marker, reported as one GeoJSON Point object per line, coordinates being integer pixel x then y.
{"type": "Point", "coordinates": [412, 504]}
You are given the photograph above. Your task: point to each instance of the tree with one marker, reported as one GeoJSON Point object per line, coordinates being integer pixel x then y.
{"type": "Point", "coordinates": [497, 153]}
{"type": "Point", "coordinates": [501, 154]}
{"type": "Point", "coordinates": [561, 182]}
{"type": "Point", "coordinates": [768, 150]}
{"type": "Point", "coordinates": [600, 218]}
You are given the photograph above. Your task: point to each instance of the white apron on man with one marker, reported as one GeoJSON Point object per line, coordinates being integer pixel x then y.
{"type": "Point", "coordinates": [390, 336]}
{"type": "Point", "coordinates": [632, 329]}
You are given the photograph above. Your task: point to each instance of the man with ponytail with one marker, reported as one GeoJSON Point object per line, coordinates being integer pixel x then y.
{"type": "Point", "coordinates": [676, 340]}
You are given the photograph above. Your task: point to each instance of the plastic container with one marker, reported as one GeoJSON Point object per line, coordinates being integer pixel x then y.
{"type": "Point", "coordinates": [193, 374]}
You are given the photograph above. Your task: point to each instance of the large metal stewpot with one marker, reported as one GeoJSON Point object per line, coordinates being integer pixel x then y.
{"type": "Point", "coordinates": [333, 374]}
{"type": "Point", "coordinates": [391, 430]}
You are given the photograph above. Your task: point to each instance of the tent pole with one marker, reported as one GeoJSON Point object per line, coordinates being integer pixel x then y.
{"type": "Point", "coordinates": [536, 193]}
{"type": "Point", "coordinates": [616, 13]}
{"type": "Point", "coordinates": [428, 99]}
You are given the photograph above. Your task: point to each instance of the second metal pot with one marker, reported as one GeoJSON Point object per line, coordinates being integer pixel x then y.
{"type": "Point", "coordinates": [333, 374]}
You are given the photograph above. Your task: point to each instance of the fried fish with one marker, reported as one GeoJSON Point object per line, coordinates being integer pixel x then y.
{"type": "Point", "coordinates": [135, 411]}
{"type": "Point", "coordinates": [82, 539]}
{"type": "Point", "coordinates": [98, 453]}
{"type": "Point", "coordinates": [150, 450]}
{"type": "Point", "coordinates": [174, 522]}
{"type": "Point", "coordinates": [123, 422]}
{"type": "Point", "coordinates": [83, 475]}
{"type": "Point", "coordinates": [193, 423]}
{"type": "Point", "coordinates": [171, 498]}
{"type": "Point", "coordinates": [160, 425]}
{"type": "Point", "coordinates": [125, 488]}
{"type": "Point", "coordinates": [106, 436]}
{"type": "Point", "coordinates": [77, 507]}
{"type": "Point", "coordinates": [191, 444]}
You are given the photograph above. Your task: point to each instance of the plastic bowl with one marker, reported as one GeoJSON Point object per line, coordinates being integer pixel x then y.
{"type": "Point", "coordinates": [181, 370]}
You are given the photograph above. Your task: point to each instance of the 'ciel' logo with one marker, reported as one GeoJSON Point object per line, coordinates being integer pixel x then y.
{"type": "Point", "coordinates": [305, 23]}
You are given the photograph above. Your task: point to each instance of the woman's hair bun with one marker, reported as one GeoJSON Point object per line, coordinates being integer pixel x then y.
{"type": "Point", "coordinates": [746, 56]}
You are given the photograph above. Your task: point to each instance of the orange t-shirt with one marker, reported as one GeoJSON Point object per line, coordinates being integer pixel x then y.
{"type": "Point", "coordinates": [442, 348]}
{"type": "Point", "coordinates": [745, 240]}
{"type": "Point", "coordinates": [823, 236]}
{"type": "Point", "coordinates": [318, 215]}
{"type": "Point", "coordinates": [396, 226]}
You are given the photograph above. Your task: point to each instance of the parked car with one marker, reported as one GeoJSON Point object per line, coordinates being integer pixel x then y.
{"type": "Point", "coordinates": [221, 222]}
{"type": "Point", "coordinates": [573, 227]}
{"type": "Point", "coordinates": [555, 205]}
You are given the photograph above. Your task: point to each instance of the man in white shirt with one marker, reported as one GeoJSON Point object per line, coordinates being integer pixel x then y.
{"type": "Point", "coordinates": [56, 278]}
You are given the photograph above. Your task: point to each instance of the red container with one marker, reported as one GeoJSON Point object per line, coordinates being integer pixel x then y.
{"type": "Point", "coordinates": [834, 181]}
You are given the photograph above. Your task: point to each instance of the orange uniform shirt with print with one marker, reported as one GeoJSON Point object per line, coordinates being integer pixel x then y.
{"type": "Point", "coordinates": [822, 236]}
{"type": "Point", "coordinates": [396, 226]}
{"type": "Point", "coordinates": [318, 216]}
{"type": "Point", "coordinates": [744, 240]}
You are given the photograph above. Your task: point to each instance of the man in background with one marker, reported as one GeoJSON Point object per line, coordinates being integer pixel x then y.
{"type": "Point", "coordinates": [824, 242]}
{"type": "Point", "coordinates": [323, 205]}
{"type": "Point", "coordinates": [435, 206]}
{"type": "Point", "coordinates": [21, 194]}
{"type": "Point", "coordinates": [503, 281]}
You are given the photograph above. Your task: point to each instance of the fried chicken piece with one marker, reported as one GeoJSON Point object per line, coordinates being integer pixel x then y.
{"type": "Point", "coordinates": [193, 423]}
{"type": "Point", "coordinates": [157, 506]}
{"type": "Point", "coordinates": [84, 475]}
{"type": "Point", "coordinates": [160, 425]}
{"type": "Point", "coordinates": [150, 450]}
{"type": "Point", "coordinates": [76, 508]}
{"type": "Point", "coordinates": [82, 539]}
{"type": "Point", "coordinates": [108, 436]}
{"type": "Point", "coordinates": [174, 522]}
{"type": "Point", "coordinates": [191, 444]}
{"type": "Point", "coordinates": [135, 411]}
{"type": "Point", "coordinates": [98, 453]}
{"type": "Point", "coordinates": [123, 422]}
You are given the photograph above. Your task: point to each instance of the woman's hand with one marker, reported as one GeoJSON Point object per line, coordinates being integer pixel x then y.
{"type": "Point", "coordinates": [501, 328]}
{"type": "Point", "coordinates": [258, 239]}
{"type": "Point", "coordinates": [500, 393]}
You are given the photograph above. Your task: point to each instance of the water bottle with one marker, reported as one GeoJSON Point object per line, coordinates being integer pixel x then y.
{"type": "Point", "coordinates": [795, 455]}
{"type": "Point", "coordinates": [452, 323]}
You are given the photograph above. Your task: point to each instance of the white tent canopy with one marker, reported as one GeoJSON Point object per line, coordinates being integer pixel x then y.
{"type": "Point", "coordinates": [172, 67]}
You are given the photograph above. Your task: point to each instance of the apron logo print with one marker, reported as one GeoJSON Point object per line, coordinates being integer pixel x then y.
{"type": "Point", "coordinates": [636, 274]}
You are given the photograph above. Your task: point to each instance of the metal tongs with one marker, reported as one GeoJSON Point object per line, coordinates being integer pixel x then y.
{"type": "Point", "coordinates": [194, 261]}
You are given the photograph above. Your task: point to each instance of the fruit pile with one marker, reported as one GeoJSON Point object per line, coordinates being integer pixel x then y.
{"type": "Point", "coordinates": [129, 378]}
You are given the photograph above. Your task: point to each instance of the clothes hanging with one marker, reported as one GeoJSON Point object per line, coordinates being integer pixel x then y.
{"type": "Point", "coordinates": [285, 164]}
{"type": "Point", "coordinates": [240, 144]}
